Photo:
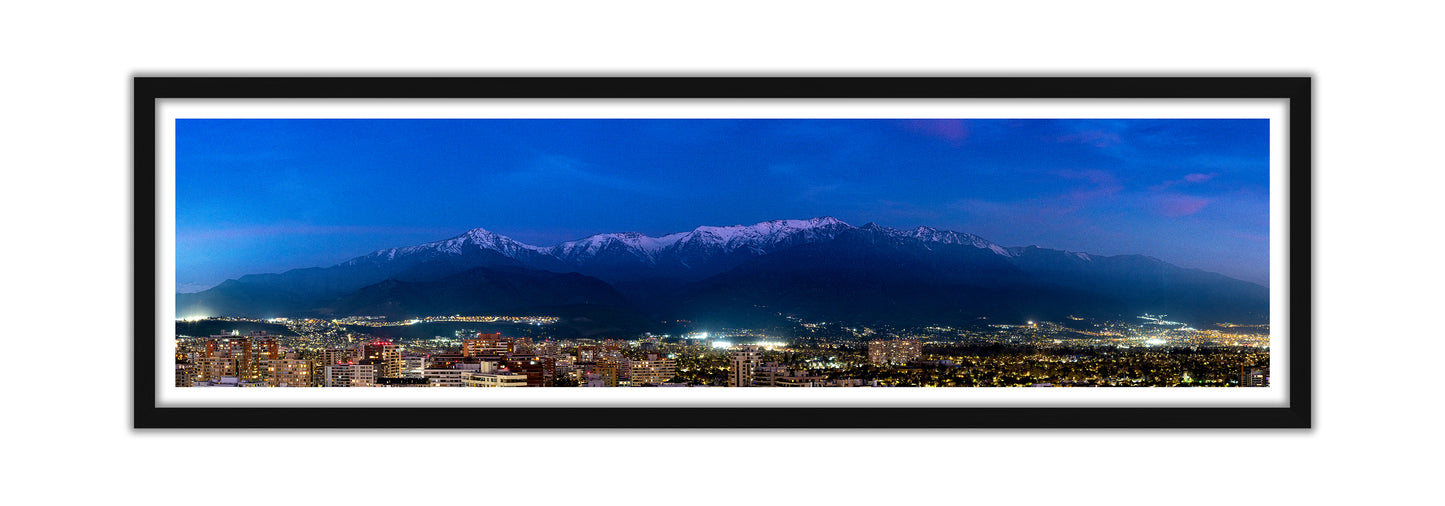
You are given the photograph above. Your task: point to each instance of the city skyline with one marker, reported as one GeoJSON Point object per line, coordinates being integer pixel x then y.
{"type": "Point", "coordinates": [257, 196]}
{"type": "Point", "coordinates": [1148, 352]}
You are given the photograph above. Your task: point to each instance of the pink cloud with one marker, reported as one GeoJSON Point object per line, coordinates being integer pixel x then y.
{"type": "Point", "coordinates": [952, 130]}
{"type": "Point", "coordinates": [1188, 178]}
{"type": "Point", "coordinates": [1104, 185]}
{"type": "Point", "coordinates": [1175, 206]}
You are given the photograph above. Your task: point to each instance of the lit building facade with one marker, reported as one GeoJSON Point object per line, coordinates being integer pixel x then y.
{"type": "Point", "coordinates": [412, 366]}
{"type": "Point", "coordinates": [332, 356]}
{"type": "Point", "coordinates": [540, 371]}
{"type": "Point", "coordinates": [444, 377]}
{"type": "Point", "coordinates": [487, 345]}
{"type": "Point", "coordinates": [494, 379]}
{"type": "Point", "coordinates": [350, 375]}
{"type": "Point", "coordinates": [744, 361]}
{"type": "Point", "coordinates": [652, 369]}
{"type": "Point", "coordinates": [1251, 376]}
{"type": "Point", "coordinates": [288, 372]}
{"type": "Point", "coordinates": [385, 354]}
{"type": "Point", "coordinates": [238, 356]}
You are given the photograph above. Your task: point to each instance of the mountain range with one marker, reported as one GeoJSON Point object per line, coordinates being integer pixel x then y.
{"type": "Point", "coordinates": [820, 269]}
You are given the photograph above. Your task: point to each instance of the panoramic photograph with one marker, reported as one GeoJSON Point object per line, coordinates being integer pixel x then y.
{"type": "Point", "coordinates": [722, 253]}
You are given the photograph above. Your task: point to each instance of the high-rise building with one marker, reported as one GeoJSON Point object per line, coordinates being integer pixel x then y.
{"type": "Point", "coordinates": [387, 355]}
{"type": "Point", "coordinates": [238, 356]}
{"type": "Point", "coordinates": [185, 374]}
{"type": "Point", "coordinates": [412, 366]}
{"type": "Point", "coordinates": [210, 367]}
{"type": "Point", "coordinates": [1251, 376]}
{"type": "Point", "coordinates": [652, 369]}
{"type": "Point", "coordinates": [897, 351]}
{"type": "Point", "coordinates": [565, 371]}
{"type": "Point", "coordinates": [445, 360]}
{"type": "Point", "coordinates": [612, 365]}
{"type": "Point", "coordinates": [266, 346]}
{"type": "Point", "coordinates": [487, 345]}
{"type": "Point", "coordinates": [744, 361]}
{"type": "Point", "coordinates": [610, 368]}
{"type": "Point", "coordinates": [444, 377]}
{"type": "Point", "coordinates": [332, 356]}
{"type": "Point", "coordinates": [540, 371]}
{"type": "Point", "coordinates": [288, 372]}
{"type": "Point", "coordinates": [239, 350]}
{"type": "Point", "coordinates": [350, 375]}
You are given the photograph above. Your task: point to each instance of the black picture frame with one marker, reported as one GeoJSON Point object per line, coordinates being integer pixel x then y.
{"type": "Point", "coordinates": [1296, 90]}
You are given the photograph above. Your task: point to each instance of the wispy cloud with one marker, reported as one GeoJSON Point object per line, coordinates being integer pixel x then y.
{"type": "Point", "coordinates": [953, 131]}
{"type": "Point", "coordinates": [1176, 205]}
{"type": "Point", "coordinates": [1193, 178]}
{"type": "Point", "coordinates": [1100, 185]}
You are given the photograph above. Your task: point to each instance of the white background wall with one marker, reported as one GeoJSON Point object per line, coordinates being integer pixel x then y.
{"type": "Point", "coordinates": [67, 207]}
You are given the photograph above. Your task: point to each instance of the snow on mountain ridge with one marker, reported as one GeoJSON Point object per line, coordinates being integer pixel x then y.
{"type": "Point", "coordinates": [766, 234]}
{"type": "Point", "coordinates": [645, 246]}
{"type": "Point", "coordinates": [730, 238]}
{"type": "Point", "coordinates": [760, 238]}
{"type": "Point", "coordinates": [476, 239]}
{"type": "Point", "coordinates": [930, 234]}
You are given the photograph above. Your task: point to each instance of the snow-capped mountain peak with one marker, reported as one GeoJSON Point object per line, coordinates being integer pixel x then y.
{"type": "Point", "coordinates": [474, 239]}
{"type": "Point", "coordinates": [686, 249]}
{"type": "Point", "coordinates": [640, 244]}
{"type": "Point", "coordinates": [930, 234]}
{"type": "Point", "coordinates": [767, 233]}
{"type": "Point", "coordinates": [471, 241]}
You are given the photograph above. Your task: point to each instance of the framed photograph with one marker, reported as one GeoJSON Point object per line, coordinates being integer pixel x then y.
{"type": "Point", "coordinates": [722, 252]}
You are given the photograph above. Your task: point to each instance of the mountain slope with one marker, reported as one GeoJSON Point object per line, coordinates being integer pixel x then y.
{"type": "Point", "coordinates": [479, 291]}
{"type": "Point", "coordinates": [821, 266]}
{"type": "Point", "coordinates": [692, 255]}
{"type": "Point", "coordinates": [878, 274]}
{"type": "Point", "coordinates": [1149, 285]}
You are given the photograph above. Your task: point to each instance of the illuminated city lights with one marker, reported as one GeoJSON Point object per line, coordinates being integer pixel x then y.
{"type": "Point", "coordinates": [338, 353]}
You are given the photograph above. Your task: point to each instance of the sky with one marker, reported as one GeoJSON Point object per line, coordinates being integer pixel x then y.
{"type": "Point", "coordinates": [258, 196]}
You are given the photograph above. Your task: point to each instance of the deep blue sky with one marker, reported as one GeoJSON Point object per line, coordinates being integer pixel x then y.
{"type": "Point", "coordinates": [256, 196]}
